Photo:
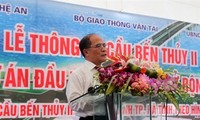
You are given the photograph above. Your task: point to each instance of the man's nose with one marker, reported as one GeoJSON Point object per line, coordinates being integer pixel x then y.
{"type": "Point", "coordinates": [103, 49]}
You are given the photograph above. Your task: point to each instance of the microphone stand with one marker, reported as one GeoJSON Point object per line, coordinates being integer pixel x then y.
{"type": "Point", "coordinates": [91, 90]}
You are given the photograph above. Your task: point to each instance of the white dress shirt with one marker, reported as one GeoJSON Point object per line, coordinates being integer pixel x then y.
{"type": "Point", "coordinates": [79, 82]}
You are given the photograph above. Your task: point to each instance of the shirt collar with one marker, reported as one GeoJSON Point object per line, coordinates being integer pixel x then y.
{"type": "Point", "coordinates": [89, 64]}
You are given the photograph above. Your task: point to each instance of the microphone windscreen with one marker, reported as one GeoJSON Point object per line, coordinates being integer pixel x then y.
{"type": "Point", "coordinates": [91, 90]}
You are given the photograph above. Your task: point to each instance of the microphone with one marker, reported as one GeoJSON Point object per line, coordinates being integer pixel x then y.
{"type": "Point", "coordinates": [91, 90]}
{"type": "Point", "coordinates": [95, 89]}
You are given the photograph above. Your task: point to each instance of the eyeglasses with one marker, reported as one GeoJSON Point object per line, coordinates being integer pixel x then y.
{"type": "Point", "coordinates": [98, 45]}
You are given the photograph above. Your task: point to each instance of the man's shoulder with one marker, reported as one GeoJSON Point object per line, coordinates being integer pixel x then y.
{"type": "Point", "coordinates": [83, 67]}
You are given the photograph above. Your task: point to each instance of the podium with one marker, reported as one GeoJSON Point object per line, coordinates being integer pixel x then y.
{"type": "Point", "coordinates": [128, 107]}
{"type": "Point", "coordinates": [125, 107]}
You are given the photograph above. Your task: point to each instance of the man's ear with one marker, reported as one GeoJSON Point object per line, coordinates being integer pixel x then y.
{"type": "Point", "coordinates": [85, 51]}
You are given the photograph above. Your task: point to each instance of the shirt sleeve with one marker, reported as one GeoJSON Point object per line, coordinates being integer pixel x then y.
{"type": "Point", "coordinates": [75, 88]}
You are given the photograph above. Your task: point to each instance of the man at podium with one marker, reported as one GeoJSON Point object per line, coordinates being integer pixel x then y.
{"type": "Point", "coordinates": [93, 49]}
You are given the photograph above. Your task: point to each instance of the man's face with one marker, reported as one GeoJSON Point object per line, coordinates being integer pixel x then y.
{"type": "Point", "coordinates": [97, 51]}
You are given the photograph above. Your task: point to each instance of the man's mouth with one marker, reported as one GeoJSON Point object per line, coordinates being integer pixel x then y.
{"type": "Point", "coordinates": [103, 55]}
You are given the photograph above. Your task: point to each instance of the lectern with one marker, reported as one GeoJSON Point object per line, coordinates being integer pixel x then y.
{"type": "Point", "coordinates": [125, 106]}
